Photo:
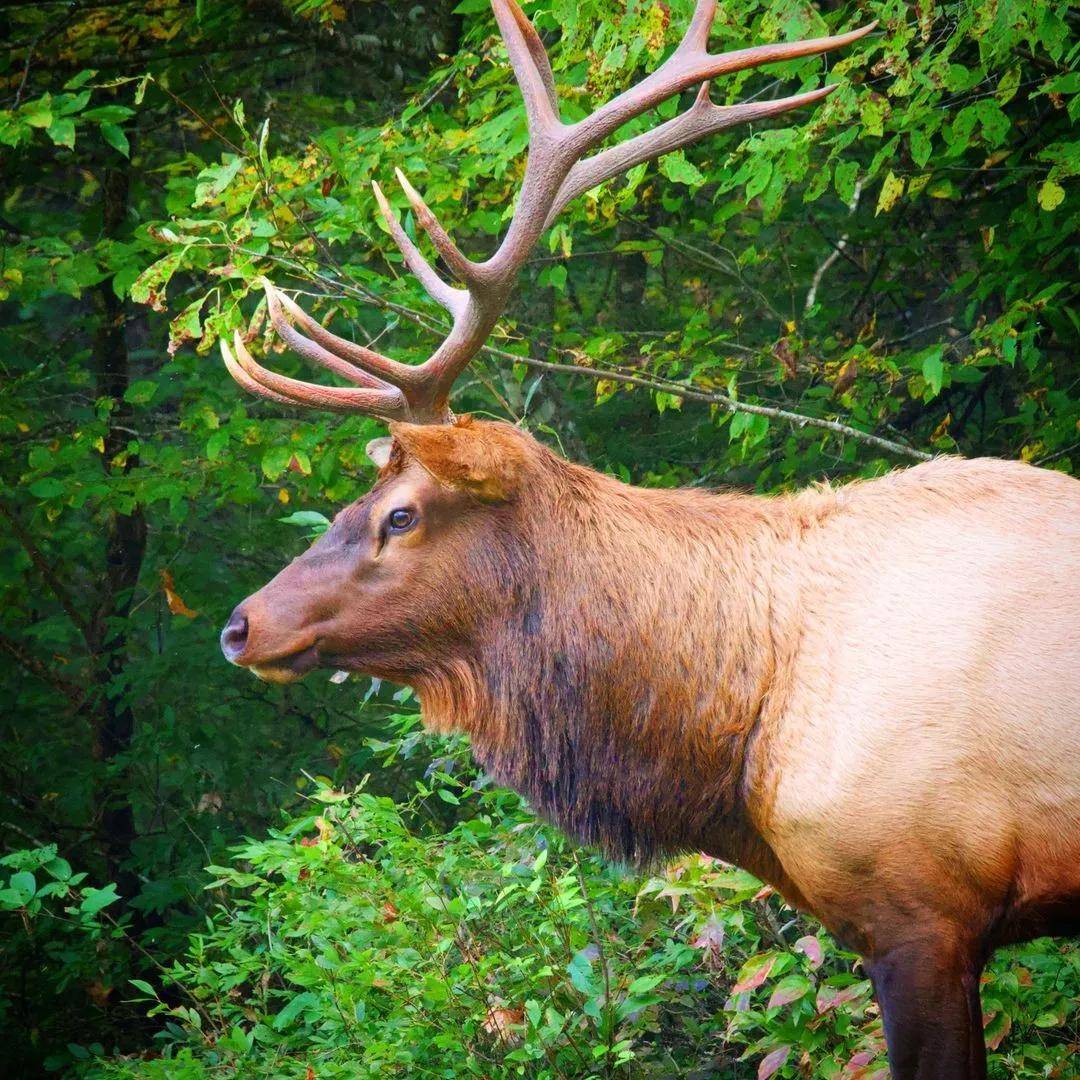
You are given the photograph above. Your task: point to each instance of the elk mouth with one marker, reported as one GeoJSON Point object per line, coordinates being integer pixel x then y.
{"type": "Point", "coordinates": [289, 668]}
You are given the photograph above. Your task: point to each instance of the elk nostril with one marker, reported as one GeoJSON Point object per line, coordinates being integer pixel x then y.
{"type": "Point", "coordinates": [234, 636]}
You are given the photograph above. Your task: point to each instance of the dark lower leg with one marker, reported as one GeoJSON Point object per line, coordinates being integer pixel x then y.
{"type": "Point", "coordinates": [928, 991]}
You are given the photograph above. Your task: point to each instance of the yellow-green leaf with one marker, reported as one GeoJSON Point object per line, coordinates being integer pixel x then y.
{"type": "Point", "coordinates": [1051, 195]}
{"type": "Point", "coordinates": [891, 190]}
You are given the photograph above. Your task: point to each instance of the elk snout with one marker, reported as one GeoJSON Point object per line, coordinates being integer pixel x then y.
{"type": "Point", "coordinates": [235, 635]}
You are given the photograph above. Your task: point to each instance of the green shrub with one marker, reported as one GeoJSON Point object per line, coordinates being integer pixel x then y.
{"type": "Point", "coordinates": [366, 937]}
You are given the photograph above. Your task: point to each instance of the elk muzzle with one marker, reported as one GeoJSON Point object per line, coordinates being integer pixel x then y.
{"type": "Point", "coordinates": [252, 639]}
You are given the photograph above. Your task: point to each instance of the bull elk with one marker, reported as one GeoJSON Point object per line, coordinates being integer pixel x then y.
{"type": "Point", "coordinates": [867, 696]}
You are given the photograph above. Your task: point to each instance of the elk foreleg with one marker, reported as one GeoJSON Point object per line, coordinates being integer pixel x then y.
{"type": "Point", "coordinates": [928, 990]}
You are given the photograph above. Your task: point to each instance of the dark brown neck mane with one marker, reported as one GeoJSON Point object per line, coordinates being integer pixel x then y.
{"type": "Point", "coordinates": [621, 685]}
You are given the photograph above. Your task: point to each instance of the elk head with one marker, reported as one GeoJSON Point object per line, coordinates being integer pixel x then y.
{"type": "Point", "coordinates": [417, 564]}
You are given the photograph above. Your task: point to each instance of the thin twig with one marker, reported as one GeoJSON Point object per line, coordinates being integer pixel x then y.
{"type": "Point", "coordinates": [837, 251]}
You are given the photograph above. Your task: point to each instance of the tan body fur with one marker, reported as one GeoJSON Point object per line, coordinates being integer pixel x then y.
{"type": "Point", "coordinates": [929, 743]}
{"type": "Point", "coordinates": [869, 696]}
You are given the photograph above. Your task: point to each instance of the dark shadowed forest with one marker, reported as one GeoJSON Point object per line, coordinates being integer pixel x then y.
{"type": "Point", "coordinates": [203, 875]}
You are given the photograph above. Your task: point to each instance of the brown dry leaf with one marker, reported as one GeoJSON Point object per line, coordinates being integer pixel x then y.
{"type": "Point", "coordinates": [788, 357]}
{"type": "Point", "coordinates": [173, 598]}
{"type": "Point", "coordinates": [846, 378]}
{"type": "Point", "coordinates": [942, 429]}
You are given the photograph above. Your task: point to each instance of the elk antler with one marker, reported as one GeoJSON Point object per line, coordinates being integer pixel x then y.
{"type": "Point", "coordinates": [557, 171]}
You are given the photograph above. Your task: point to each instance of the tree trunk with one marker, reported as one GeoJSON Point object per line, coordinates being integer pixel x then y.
{"type": "Point", "coordinates": [125, 546]}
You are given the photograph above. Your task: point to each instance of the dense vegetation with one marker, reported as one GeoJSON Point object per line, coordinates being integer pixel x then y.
{"type": "Point", "coordinates": [889, 275]}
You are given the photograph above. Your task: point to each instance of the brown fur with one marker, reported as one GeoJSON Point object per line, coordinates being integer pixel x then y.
{"type": "Point", "coordinates": [867, 696]}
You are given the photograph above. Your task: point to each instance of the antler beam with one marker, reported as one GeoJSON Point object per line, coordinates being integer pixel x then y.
{"type": "Point", "coordinates": [557, 171]}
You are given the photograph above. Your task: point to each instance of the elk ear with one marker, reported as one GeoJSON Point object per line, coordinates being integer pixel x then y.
{"type": "Point", "coordinates": [487, 460]}
{"type": "Point", "coordinates": [378, 450]}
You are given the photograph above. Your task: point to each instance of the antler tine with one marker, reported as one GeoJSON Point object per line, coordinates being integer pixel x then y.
{"type": "Point", "coordinates": [465, 270]}
{"type": "Point", "coordinates": [690, 65]}
{"type": "Point", "coordinates": [310, 350]}
{"type": "Point", "coordinates": [387, 371]}
{"type": "Point", "coordinates": [696, 38]}
{"type": "Point", "coordinates": [246, 381]}
{"type": "Point", "coordinates": [452, 299]}
{"type": "Point", "coordinates": [531, 65]}
{"type": "Point", "coordinates": [388, 402]}
{"type": "Point", "coordinates": [701, 119]}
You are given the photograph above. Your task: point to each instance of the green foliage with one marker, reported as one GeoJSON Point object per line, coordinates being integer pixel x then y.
{"type": "Point", "coordinates": [364, 938]}
{"type": "Point", "coordinates": [897, 263]}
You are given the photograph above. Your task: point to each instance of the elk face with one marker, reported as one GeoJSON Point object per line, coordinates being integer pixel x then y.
{"type": "Point", "coordinates": [405, 575]}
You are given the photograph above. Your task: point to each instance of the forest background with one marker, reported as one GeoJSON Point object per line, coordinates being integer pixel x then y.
{"type": "Point", "coordinates": [842, 291]}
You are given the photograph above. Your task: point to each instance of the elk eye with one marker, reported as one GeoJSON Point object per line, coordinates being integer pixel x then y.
{"type": "Point", "coordinates": [400, 520]}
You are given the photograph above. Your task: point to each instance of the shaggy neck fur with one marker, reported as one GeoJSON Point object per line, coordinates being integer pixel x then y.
{"type": "Point", "coordinates": [621, 685]}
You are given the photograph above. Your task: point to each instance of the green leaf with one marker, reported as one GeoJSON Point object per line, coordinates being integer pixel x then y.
{"type": "Point", "coordinates": [921, 147]}
{"type": "Point", "coordinates": [680, 171]}
{"type": "Point", "coordinates": [643, 984]}
{"type": "Point", "coordinates": [140, 392]}
{"type": "Point", "coordinates": [113, 114]}
{"type": "Point", "coordinates": [94, 900]}
{"type": "Point", "coordinates": [216, 443]}
{"type": "Point", "coordinates": [844, 176]}
{"type": "Point", "coordinates": [276, 460]}
{"type": "Point", "coordinates": [580, 971]}
{"type": "Point", "coordinates": [933, 370]}
{"type": "Point", "coordinates": [1008, 84]}
{"type": "Point", "coordinates": [62, 132]}
{"type": "Point", "coordinates": [59, 869]}
{"type": "Point", "coordinates": [116, 138]}
{"type": "Point", "coordinates": [24, 883]}
{"type": "Point", "coordinates": [150, 286]}
{"type": "Point", "coordinates": [214, 179]}
{"type": "Point", "coordinates": [81, 79]}
{"type": "Point", "coordinates": [67, 105]}
{"type": "Point", "coordinates": [48, 487]}
{"type": "Point", "coordinates": [307, 519]}
{"type": "Point", "coordinates": [294, 1008]}
{"type": "Point", "coordinates": [759, 179]}
{"type": "Point", "coordinates": [38, 114]}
